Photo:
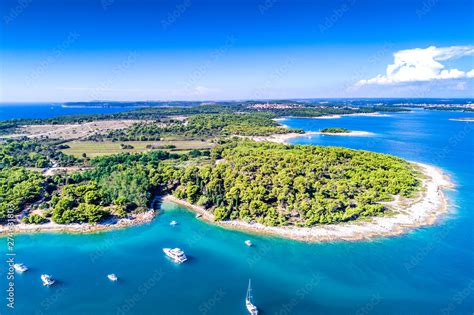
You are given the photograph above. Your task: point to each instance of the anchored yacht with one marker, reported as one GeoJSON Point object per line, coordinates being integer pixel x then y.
{"type": "Point", "coordinates": [176, 254]}
{"type": "Point", "coordinates": [20, 267]}
{"type": "Point", "coordinates": [47, 280]}
{"type": "Point", "coordinates": [112, 277]}
{"type": "Point", "coordinates": [173, 222]}
{"type": "Point", "coordinates": [248, 302]}
{"type": "Point", "coordinates": [248, 243]}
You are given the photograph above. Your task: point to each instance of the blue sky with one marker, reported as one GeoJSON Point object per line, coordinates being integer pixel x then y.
{"type": "Point", "coordinates": [74, 50]}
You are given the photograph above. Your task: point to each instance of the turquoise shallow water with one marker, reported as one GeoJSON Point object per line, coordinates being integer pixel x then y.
{"type": "Point", "coordinates": [428, 271]}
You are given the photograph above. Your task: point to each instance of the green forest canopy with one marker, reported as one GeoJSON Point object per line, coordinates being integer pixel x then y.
{"type": "Point", "coordinates": [32, 153]}
{"type": "Point", "coordinates": [273, 184]}
{"type": "Point", "coordinates": [305, 185]}
{"type": "Point", "coordinates": [18, 187]}
{"type": "Point", "coordinates": [201, 126]}
{"type": "Point", "coordinates": [335, 130]}
{"type": "Point", "coordinates": [125, 183]}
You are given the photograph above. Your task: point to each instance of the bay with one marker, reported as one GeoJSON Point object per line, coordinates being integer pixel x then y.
{"type": "Point", "coordinates": [427, 271]}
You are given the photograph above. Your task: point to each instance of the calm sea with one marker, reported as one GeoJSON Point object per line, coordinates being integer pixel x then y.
{"type": "Point", "coordinates": [48, 110]}
{"type": "Point", "coordinates": [428, 271]}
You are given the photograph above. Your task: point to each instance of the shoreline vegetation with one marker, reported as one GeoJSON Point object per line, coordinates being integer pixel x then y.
{"type": "Point", "coordinates": [403, 213]}
{"type": "Point", "coordinates": [423, 210]}
{"type": "Point", "coordinates": [408, 214]}
{"type": "Point", "coordinates": [80, 228]}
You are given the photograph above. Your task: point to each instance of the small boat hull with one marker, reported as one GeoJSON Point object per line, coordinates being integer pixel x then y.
{"type": "Point", "coordinates": [252, 309]}
{"type": "Point", "coordinates": [47, 280]}
{"type": "Point", "coordinates": [20, 268]}
{"type": "Point", "coordinates": [112, 277]}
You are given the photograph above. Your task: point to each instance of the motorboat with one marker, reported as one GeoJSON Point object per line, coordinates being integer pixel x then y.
{"type": "Point", "coordinates": [112, 277]}
{"type": "Point", "coordinates": [47, 280]}
{"type": "Point", "coordinates": [20, 268]}
{"type": "Point", "coordinates": [176, 254]}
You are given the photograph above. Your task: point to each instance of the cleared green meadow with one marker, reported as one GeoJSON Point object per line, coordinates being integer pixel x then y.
{"type": "Point", "coordinates": [93, 148]}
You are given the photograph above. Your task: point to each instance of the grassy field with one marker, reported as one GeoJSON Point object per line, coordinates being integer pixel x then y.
{"type": "Point", "coordinates": [93, 149]}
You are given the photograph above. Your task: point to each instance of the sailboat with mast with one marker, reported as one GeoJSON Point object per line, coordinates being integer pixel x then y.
{"type": "Point", "coordinates": [248, 301]}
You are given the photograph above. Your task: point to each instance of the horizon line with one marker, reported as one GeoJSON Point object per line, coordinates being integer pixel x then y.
{"type": "Point", "coordinates": [242, 100]}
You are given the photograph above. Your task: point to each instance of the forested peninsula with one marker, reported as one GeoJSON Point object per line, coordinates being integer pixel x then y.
{"type": "Point", "coordinates": [207, 161]}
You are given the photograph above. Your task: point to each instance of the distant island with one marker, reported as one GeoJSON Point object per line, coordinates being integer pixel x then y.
{"type": "Point", "coordinates": [468, 119]}
{"type": "Point", "coordinates": [338, 131]}
{"type": "Point", "coordinates": [335, 130]}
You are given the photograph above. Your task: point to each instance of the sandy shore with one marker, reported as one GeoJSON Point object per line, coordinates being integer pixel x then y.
{"type": "Point", "coordinates": [282, 137]}
{"type": "Point", "coordinates": [22, 228]}
{"type": "Point", "coordinates": [421, 211]}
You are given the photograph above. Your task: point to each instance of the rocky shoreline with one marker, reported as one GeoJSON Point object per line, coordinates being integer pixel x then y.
{"type": "Point", "coordinates": [424, 210]}
{"type": "Point", "coordinates": [23, 228]}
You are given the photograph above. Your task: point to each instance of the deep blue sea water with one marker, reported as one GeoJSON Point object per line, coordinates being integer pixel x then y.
{"type": "Point", "coordinates": [428, 271]}
{"type": "Point", "coordinates": [48, 110]}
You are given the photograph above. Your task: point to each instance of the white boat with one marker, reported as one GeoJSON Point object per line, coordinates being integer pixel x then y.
{"type": "Point", "coordinates": [176, 254]}
{"type": "Point", "coordinates": [248, 243]}
{"type": "Point", "coordinates": [112, 277]}
{"type": "Point", "coordinates": [248, 301]}
{"type": "Point", "coordinates": [47, 280]}
{"type": "Point", "coordinates": [20, 267]}
{"type": "Point", "coordinates": [173, 222]}
{"type": "Point", "coordinates": [198, 215]}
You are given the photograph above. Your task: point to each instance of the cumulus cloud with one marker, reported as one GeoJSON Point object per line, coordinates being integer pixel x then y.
{"type": "Point", "coordinates": [422, 64]}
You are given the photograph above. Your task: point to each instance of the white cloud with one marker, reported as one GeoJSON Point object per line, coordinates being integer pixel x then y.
{"type": "Point", "coordinates": [422, 64]}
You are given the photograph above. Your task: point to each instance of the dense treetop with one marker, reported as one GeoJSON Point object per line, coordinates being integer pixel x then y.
{"type": "Point", "coordinates": [335, 130]}
{"type": "Point", "coordinates": [202, 126]}
{"type": "Point", "coordinates": [31, 153]}
{"type": "Point", "coordinates": [18, 187]}
{"type": "Point", "coordinates": [281, 184]}
{"type": "Point", "coordinates": [240, 179]}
